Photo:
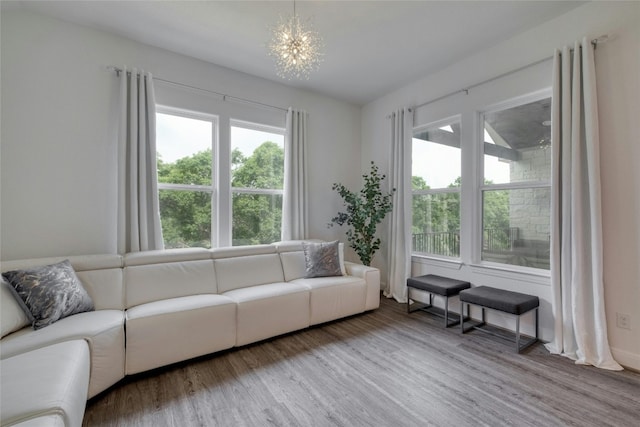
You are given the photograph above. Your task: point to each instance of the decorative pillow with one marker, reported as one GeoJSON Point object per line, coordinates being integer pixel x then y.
{"type": "Point", "coordinates": [322, 259]}
{"type": "Point", "coordinates": [12, 313]}
{"type": "Point", "coordinates": [49, 293]}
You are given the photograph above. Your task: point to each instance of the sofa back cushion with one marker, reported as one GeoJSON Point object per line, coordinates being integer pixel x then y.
{"type": "Point", "coordinates": [101, 276]}
{"type": "Point", "coordinates": [249, 270]}
{"type": "Point", "coordinates": [293, 264]}
{"type": "Point", "coordinates": [12, 314]}
{"type": "Point", "coordinates": [155, 282]}
{"type": "Point", "coordinates": [104, 287]}
{"type": "Point", "coordinates": [293, 260]}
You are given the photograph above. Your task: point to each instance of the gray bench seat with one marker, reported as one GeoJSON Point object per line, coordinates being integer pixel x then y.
{"type": "Point", "coordinates": [436, 285]}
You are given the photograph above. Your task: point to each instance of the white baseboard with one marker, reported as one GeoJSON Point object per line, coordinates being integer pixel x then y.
{"type": "Point", "coordinates": [626, 359]}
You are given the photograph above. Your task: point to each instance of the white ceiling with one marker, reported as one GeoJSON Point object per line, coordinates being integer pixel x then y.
{"type": "Point", "coordinates": [371, 47]}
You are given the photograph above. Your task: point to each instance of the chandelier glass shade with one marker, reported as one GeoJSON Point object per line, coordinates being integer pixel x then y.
{"type": "Point", "coordinates": [296, 47]}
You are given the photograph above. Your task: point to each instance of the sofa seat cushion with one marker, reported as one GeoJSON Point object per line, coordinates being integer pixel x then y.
{"type": "Point", "coordinates": [46, 384]}
{"type": "Point", "coordinates": [334, 297]}
{"type": "Point", "coordinates": [269, 310]}
{"type": "Point", "coordinates": [163, 332]}
{"type": "Point", "coordinates": [102, 329]}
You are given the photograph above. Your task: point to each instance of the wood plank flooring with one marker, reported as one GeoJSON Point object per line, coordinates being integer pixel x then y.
{"type": "Point", "coordinates": [383, 368]}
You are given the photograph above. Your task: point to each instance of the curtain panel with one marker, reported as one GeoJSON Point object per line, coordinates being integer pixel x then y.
{"type": "Point", "coordinates": [399, 230]}
{"type": "Point", "coordinates": [576, 224]}
{"type": "Point", "coordinates": [295, 212]}
{"type": "Point", "coordinates": [139, 227]}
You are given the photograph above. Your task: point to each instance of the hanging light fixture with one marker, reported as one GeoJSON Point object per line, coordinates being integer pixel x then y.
{"type": "Point", "coordinates": [296, 47]}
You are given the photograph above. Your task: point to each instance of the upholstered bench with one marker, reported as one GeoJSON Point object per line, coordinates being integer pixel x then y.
{"type": "Point", "coordinates": [436, 285]}
{"type": "Point", "coordinates": [510, 302]}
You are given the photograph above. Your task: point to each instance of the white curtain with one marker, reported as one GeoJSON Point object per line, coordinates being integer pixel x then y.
{"type": "Point", "coordinates": [399, 234]}
{"type": "Point", "coordinates": [576, 242]}
{"type": "Point", "coordinates": [139, 226]}
{"type": "Point", "coordinates": [295, 215]}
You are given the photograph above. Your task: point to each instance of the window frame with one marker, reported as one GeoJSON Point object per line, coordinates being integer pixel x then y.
{"type": "Point", "coordinates": [478, 139]}
{"type": "Point", "coordinates": [457, 118]}
{"type": "Point", "coordinates": [212, 189]}
{"type": "Point", "coordinates": [470, 113]}
{"type": "Point", "coordinates": [247, 190]}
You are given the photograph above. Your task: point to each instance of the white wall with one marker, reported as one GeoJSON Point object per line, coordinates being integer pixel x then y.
{"type": "Point", "coordinates": [618, 74]}
{"type": "Point", "coordinates": [59, 110]}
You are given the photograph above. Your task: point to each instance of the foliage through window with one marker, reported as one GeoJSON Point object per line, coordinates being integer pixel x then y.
{"type": "Point", "coordinates": [185, 180]}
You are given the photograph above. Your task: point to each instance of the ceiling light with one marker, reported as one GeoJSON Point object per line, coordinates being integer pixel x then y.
{"type": "Point", "coordinates": [296, 47]}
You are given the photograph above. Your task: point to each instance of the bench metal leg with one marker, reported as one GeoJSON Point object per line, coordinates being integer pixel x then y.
{"type": "Point", "coordinates": [518, 334]}
{"type": "Point", "coordinates": [479, 325]}
{"type": "Point", "coordinates": [464, 318]}
{"type": "Point", "coordinates": [446, 311]}
{"type": "Point", "coordinates": [430, 308]}
{"type": "Point", "coordinates": [530, 341]}
{"type": "Point", "coordinates": [419, 305]}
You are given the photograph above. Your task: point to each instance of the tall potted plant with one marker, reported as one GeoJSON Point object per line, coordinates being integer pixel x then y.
{"type": "Point", "coordinates": [364, 211]}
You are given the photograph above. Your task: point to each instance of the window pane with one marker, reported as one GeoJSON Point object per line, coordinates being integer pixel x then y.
{"type": "Point", "coordinates": [436, 157]}
{"type": "Point", "coordinates": [436, 224]}
{"type": "Point", "coordinates": [257, 159]}
{"type": "Point", "coordinates": [516, 227]}
{"type": "Point", "coordinates": [256, 218]}
{"type": "Point", "coordinates": [517, 143]}
{"type": "Point", "coordinates": [183, 148]}
{"type": "Point", "coordinates": [186, 218]}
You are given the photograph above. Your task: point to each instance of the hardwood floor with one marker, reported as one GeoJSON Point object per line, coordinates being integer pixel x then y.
{"type": "Point", "coordinates": [383, 368]}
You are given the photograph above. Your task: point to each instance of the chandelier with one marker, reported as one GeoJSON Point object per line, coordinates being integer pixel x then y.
{"type": "Point", "coordinates": [296, 47]}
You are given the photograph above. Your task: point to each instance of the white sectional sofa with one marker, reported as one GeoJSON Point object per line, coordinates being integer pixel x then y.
{"type": "Point", "coordinates": [160, 307]}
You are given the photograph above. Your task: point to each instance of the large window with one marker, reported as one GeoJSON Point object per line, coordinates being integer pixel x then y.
{"type": "Point", "coordinates": [500, 199]}
{"type": "Point", "coordinates": [184, 143]}
{"type": "Point", "coordinates": [257, 179]}
{"type": "Point", "coordinates": [435, 181]}
{"type": "Point", "coordinates": [195, 210]}
{"type": "Point", "coordinates": [516, 186]}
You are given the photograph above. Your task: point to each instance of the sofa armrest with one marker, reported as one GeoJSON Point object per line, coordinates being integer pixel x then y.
{"type": "Point", "coordinates": [371, 276]}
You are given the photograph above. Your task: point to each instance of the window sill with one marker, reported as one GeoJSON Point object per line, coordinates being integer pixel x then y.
{"type": "Point", "coordinates": [452, 263]}
{"type": "Point", "coordinates": [523, 274]}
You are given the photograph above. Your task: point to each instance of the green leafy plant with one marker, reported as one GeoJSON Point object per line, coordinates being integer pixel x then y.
{"type": "Point", "coordinates": [364, 211]}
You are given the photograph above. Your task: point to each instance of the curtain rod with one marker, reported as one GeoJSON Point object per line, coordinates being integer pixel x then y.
{"type": "Point", "coordinates": [224, 96]}
{"type": "Point", "coordinates": [602, 39]}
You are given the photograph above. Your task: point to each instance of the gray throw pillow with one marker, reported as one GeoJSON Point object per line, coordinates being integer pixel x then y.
{"type": "Point", "coordinates": [49, 293]}
{"type": "Point", "coordinates": [322, 259]}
